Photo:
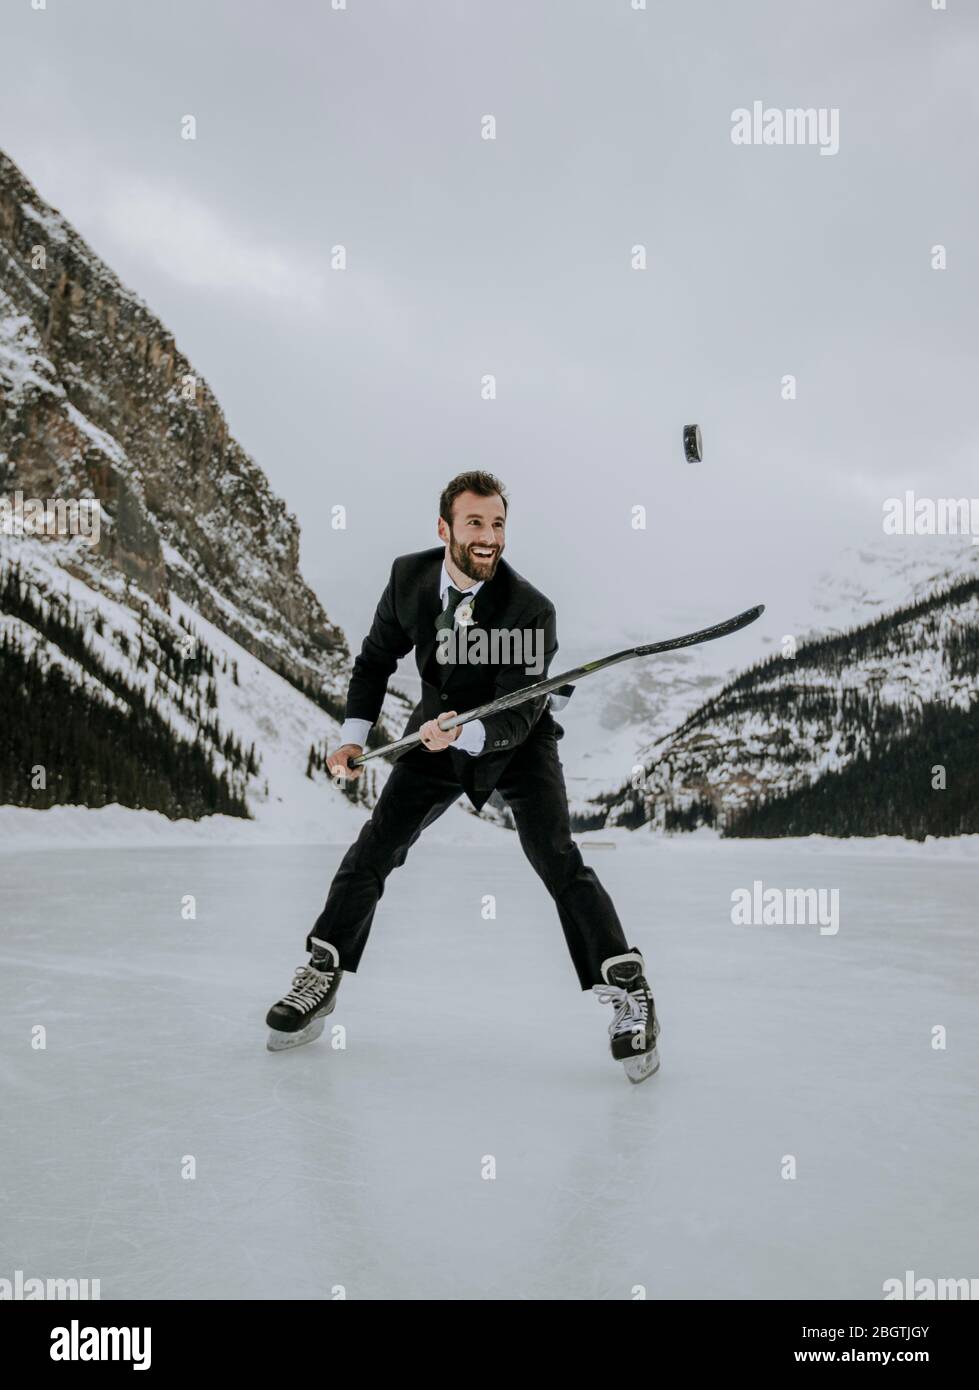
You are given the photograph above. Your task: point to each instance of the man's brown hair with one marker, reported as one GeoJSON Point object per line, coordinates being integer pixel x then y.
{"type": "Point", "coordinates": [483, 484]}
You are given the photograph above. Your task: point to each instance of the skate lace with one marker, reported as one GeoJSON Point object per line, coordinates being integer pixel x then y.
{"type": "Point", "coordinates": [309, 986]}
{"type": "Point", "coordinates": [631, 1008]}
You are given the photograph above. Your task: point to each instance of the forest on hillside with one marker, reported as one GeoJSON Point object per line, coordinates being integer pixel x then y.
{"type": "Point", "coordinates": [75, 731]}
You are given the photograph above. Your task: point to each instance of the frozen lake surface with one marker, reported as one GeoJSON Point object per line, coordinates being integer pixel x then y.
{"type": "Point", "coordinates": [467, 1038]}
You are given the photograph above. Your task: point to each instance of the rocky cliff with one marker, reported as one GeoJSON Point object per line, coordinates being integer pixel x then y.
{"type": "Point", "coordinates": [97, 400]}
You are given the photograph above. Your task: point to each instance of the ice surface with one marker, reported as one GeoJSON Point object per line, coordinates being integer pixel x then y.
{"type": "Point", "coordinates": [466, 1038]}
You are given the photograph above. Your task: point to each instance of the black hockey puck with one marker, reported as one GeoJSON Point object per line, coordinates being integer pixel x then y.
{"type": "Point", "coordinates": [693, 444]}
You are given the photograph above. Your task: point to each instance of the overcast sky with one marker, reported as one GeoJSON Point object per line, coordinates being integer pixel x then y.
{"type": "Point", "coordinates": [362, 127]}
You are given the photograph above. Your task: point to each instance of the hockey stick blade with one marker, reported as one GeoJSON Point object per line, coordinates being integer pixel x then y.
{"type": "Point", "coordinates": [545, 687]}
{"type": "Point", "coordinates": [706, 634]}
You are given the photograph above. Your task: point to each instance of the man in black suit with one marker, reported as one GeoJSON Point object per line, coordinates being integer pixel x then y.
{"type": "Point", "coordinates": [443, 603]}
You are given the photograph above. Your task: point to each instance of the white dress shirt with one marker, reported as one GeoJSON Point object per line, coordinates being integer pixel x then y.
{"type": "Point", "coordinates": [471, 736]}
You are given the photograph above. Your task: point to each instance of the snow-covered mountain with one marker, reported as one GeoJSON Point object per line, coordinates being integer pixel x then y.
{"type": "Point", "coordinates": [96, 400]}
{"type": "Point", "coordinates": [618, 720]}
{"type": "Point", "coordinates": [842, 736]}
{"type": "Point", "coordinates": [614, 716]}
{"type": "Point", "coordinates": [888, 573]}
{"type": "Point", "coordinates": [181, 662]}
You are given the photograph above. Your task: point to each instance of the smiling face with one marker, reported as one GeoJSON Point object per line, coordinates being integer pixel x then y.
{"type": "Point", "coordinates": [476, 541]}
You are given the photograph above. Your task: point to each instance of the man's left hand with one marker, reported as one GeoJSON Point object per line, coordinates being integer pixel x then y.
{"type": "Point", "coordinates": [435, 739]}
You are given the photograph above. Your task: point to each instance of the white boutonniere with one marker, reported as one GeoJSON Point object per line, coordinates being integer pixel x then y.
{"type": "Point", "coordinates": [464, 614]}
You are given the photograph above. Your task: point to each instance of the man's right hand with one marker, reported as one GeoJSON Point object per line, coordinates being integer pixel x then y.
{"type": "Point", "coordinates": [336, 763]}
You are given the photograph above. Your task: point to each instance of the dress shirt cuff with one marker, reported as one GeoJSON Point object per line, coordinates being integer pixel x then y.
{"type": "Point", "coordinates": [355, 731]}
{"type": "Point", "coordinates": [471, 738]}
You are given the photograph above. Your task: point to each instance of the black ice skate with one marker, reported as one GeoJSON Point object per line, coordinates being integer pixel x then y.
{"type": "Point", "coordinates": [300, 1016]}
{"type": "Point", "coordinates": [634, 1029]}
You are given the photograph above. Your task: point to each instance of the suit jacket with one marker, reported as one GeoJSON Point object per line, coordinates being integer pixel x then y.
{"type": "Point", "coordinates": [405, 619]}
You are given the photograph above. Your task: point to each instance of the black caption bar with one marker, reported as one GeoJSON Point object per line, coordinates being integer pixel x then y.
{"type": "Point", "coordinates": [176, 1339]}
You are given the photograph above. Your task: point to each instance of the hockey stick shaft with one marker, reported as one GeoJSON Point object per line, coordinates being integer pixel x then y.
{"type": "Point", "coordinates": [545, 687]}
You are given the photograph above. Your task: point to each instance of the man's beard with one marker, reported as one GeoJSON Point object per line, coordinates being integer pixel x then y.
{"type": "Point", "coordinates": [468, 563]}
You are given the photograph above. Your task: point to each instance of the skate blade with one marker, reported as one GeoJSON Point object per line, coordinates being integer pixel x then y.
{"type": "Point", "coordinates": [641, 1068]}
{"type": "Point", "coordinates": [282, 1042]}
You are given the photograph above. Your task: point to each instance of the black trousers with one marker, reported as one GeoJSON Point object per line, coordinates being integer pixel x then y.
{"type": "Point", "coordinates": [416, 794]}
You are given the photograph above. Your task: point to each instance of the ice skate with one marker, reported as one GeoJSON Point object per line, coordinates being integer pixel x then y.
{"type": "Point", "coordinates": [300, 1016]}
{"type": "Point", "coordinates": [634, 1027]}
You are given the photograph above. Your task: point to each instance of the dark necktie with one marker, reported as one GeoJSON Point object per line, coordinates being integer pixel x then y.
{"type": "Point", "coordinates": [446, 619]}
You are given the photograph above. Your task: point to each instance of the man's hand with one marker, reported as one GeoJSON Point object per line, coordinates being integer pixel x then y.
{"type": "Point", "coordinates": [336, 763]}
{"type": "Point", "coordinates": [435, 739]}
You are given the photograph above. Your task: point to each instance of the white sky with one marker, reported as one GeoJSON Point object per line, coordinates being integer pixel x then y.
{"type": "Point", "coordinates": [362, 127]}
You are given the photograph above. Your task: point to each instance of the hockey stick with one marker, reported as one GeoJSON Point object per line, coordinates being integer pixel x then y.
{"type": "Point", "coordinates": [532, 692]}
